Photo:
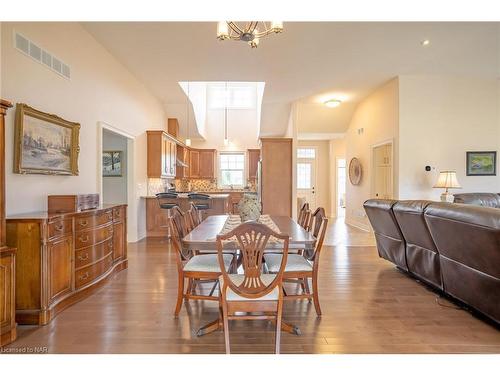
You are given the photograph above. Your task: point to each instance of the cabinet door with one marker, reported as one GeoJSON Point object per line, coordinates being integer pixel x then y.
{"type": "Point", "coordinates": [163, 157]}
{"type": "Point", "coordinates": [253, 161]}
{"type": "Point", "coordinates": [119, 240]}
{"type": "Point", "coordinates": [173, 158]}
{"type": "Point", "coordinates": [207, 158]}
{"type": "Point", "coordinates": [194, 164]}
{"type": "Point", "coordinates": [60, 265]}
{"type": "Point", "coordinates": [7, 270]}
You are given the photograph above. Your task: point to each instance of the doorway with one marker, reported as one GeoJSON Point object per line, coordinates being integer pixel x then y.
{"type": "Point", "coordinates": [382, 162]}
{"type": "Point", "coordinates": [341, 187]}
{"type": "Point", "coordinates": [306, 175]}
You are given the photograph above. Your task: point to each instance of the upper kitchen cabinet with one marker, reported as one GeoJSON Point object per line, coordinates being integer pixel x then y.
{"type": "Point", "coordinates": [162, 154]}
{"type": "Point", "coordinates": [202, 163]}
{"type": "Point", "coordinates": [182, 169]}
{"type": "Point", "coordinates": [253, 162]}
{"type": "Point", "coordinates": [173, 127]}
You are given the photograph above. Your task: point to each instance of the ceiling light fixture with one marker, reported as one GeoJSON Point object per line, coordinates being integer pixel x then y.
{"type": "Point", "coordinates": [425, 42]}
{"type": "Point", "coordinates": [250, 32]}
{"type": "Point", "coordinates": [188, 140]}
{"type": "Point", "coordinates": [332, 103]}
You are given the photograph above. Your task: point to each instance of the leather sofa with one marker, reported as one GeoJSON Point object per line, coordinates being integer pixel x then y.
{"type": "Point", "coordinates": [455, 248]}
{"type": "Point", "coordinates": [479, 199]}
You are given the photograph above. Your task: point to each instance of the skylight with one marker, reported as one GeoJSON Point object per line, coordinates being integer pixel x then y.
{"type": "Point", "coordinates": [234, 95]}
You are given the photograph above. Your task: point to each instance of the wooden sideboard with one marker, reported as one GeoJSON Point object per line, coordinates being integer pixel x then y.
{"type": "Point", "coordinates": [7, 255]}
{"type": "Point", "coordinates": [62, 258]}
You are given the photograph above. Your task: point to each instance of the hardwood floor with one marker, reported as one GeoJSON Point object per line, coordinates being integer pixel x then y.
{"type": "Point", "coordinates": [368, 307]}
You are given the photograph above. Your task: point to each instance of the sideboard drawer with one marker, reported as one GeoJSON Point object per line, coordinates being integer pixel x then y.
{"type": "Point", "coordinates": [91, 237]}
{"type": "Point", "coordinates": [118, 213]}
{"type": "Point", "coordinates": [88, 274]}
{"type": "Point", "coordinates": [89, 255]}
{"type": "Point", "coordinates": [60, 228]}
{"type": "Point", "coordinates": [91, 221]}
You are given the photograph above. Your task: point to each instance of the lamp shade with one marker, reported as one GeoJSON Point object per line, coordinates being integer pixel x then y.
{"type": "Point", "coordinates": [447, 179]}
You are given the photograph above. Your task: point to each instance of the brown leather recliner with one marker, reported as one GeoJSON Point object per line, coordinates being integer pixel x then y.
{"type": "Point", "coordinates": [479, 199]}
{"type": "Point", "coordinates": [455, 247]}
{"type": "Point", "coordinates": [390, 242]}
{"type": "Point", "coordinates": [421, 253]}
{"type": "Point", "coordinates": [468, 240]}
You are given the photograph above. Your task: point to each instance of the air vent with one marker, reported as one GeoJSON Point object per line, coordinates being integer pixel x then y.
{"type": "Point", "coordinates": [44, 57]}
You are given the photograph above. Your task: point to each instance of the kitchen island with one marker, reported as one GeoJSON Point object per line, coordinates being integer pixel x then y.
{"type": "Point", "coordinates": [156, 217]}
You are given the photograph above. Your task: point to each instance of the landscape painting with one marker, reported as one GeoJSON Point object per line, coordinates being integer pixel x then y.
{"type": "Point", "coordinates": [112, 163]}
{"type": "Point", "coordinates": [45, 143]}
{"type": "Point", "coordinates": [481, 163]}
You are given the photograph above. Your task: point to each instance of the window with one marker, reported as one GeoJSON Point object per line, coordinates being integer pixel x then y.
{"type": "Point", "coordinates": [239, 96]}
{"type": "Point", "coordinates": [304, 175]}
{"type": "Point", "coordinates": [232, 169]}
{"type": "Point", "coordinates": [306, 153]}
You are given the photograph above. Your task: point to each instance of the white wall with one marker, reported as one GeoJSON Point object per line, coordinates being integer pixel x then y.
{"type": "Point", "coordinates": [337, 150]}
{"type": "Point", "coordinates": [442, 117]}
{"type": "Point", "coordinates": [114, 189]}
{"type": "Point", "coordinates": [100, 89]}
{"type": "Point", "coordinates": [378, 116]}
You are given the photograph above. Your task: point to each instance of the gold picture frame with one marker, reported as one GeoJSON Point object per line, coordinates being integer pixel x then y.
{"type": "Point", "coordinates": [45, 143]}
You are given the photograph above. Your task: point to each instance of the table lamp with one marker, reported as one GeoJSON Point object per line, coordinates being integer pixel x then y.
{"type": "Point", "coordinates": [447, 180]}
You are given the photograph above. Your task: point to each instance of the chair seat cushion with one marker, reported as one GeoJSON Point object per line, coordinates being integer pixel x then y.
{"type": "Point", "coordinates": [201, 206]}
{"type": "Point", "coordinates": [238, 279]}
{"type": "Point", "coordinates": [294, 263]}
{"type": "Point", "coordinates": [207, 263]}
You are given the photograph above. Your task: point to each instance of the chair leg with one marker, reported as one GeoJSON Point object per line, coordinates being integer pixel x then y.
{"type": "Point", "coordinates": [316, 294]}
{"type": "Point", "coordinates": [180, 294]}
{"type": "Point", "coordinates": [189, 286]}
{"type": "Point", "coordinates": [225, 321]}
{"type": "Point", "coordinates": [278, 324]}
{"type": "Point", "coordinates": [307, 289]}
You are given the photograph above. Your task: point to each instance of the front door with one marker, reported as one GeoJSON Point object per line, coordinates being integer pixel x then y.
{"type": "Point", "coordinates": [306, 181]}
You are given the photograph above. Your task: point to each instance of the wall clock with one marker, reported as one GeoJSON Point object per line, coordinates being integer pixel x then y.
{"type": "Point", "coordinates": [355, 171]}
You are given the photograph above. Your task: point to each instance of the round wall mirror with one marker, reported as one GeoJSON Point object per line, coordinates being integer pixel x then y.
{"type": "Point", "coordinates": [355, 171]}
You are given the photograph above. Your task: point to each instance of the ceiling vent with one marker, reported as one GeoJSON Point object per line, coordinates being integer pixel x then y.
{"type": "Point", "coordinates": [40, 55]}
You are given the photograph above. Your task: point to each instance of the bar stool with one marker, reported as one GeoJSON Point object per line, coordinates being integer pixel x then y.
{"type": "Point", "coordinates": [202, 202]}
{"type": "Point", "coordinates": [167, 201]}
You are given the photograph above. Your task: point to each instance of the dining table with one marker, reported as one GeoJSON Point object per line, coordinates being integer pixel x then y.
{"type": "Point", "coordinates": [204, 237]}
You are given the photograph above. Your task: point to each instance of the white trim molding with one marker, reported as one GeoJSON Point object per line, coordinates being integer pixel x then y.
{"type": "Point", "coordinates": [319, 136]}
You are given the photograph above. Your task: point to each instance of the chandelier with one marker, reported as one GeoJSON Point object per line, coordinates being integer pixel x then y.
{"type": "Point", "coordinates": [249, 32]}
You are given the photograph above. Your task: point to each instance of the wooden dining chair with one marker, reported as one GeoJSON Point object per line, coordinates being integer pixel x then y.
{"type": "Point", "coordinates": [195, 268]}
{"type": "Point", "coordinates": [304, 216]}
{"type": "Point", "coordinates": [302, 267]}
{"type": "Point", "coordinates": [253, 291]}
{"type": "Point", "coordinates": [193, 216]}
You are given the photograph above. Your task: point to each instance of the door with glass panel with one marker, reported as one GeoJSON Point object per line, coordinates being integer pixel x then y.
{"type": "Point", "coordinates": [382, 172]}
{"type": "Point", "coordinates": [306, 175]}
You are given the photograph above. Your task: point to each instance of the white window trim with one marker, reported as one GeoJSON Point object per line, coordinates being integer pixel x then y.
{"type": "Point", "coordinates": [245, 169]}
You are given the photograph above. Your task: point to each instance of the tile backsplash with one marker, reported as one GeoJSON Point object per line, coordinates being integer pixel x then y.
{"type": "Point", "coordinates": [204, 185]}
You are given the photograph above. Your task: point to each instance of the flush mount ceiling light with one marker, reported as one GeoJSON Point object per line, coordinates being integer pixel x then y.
{"type": "Point", "coordinates": [250, 32]}
{"type": "Point", "coordinates": [332, 103]}
{"type": "Point", "coordinates": [425, 42]}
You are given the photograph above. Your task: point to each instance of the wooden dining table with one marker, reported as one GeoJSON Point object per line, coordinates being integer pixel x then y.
{"type": "Point", "coordinates": [203, 237]}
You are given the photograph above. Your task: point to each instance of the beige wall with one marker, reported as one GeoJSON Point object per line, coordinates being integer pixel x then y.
{"type": "Point", "coordinates": [337, 150]}
{"type": "Point", "coordinates": [322, 187]}
{"type": "Point", "coordinates": [100, 89]}
{"type": "Point", "coordinates": [378, 116]}
{"type": "Point", "coordinates": [442, 117]}
{"type": "Point", "coordinates": [114, 189]}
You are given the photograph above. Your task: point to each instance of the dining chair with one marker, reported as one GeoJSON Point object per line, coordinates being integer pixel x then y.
{"type": "Point", "coordinates": [304, 216]}
{"type": "Point", "coordinates": [194, 216]}
{"type": "Point", "coordinates": [202, 202]}
{"type": "Point", "coordinates": [302, 267]}
{"type": "Point", "coordinates": [253, 291]}
{"type": "Point", "coordinates": [195, 268]}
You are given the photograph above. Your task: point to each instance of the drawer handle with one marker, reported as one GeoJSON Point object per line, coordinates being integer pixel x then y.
{"type": "Point", "coordinates": [118, 213]}
{"type": "Point", "coordinates": [84, 277]}
{"type": "Point", "coordinates": [84, 240]}
{"type": "Point", "coordinates": [60, 228]}
{"type": "Point", "coordinates": [110, 215]}
{"type": "Point", "coordinates": [84, 223]}
{"type": "Point", "coordinates": [80, 257]}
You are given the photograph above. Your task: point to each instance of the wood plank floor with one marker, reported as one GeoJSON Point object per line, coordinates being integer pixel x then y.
{"type": "Point", "coordinates": [368, 305]}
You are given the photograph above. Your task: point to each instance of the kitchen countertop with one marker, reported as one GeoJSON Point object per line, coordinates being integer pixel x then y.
{"type": "Point", "coordinates": [185, 196]}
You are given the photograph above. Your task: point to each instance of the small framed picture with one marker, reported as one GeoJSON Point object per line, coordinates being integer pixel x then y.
{"type": "Point", "coordinates": [481, 163]}
{"type": "Point", "coordinates": [112, 163]}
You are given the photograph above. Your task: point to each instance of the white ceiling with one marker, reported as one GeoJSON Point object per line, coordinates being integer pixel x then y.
{"type": "Point", "coordinates": [309, 62]}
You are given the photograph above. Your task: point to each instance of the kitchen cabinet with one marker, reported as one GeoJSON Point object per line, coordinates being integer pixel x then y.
{"type": "Point", "coordinates": [253, 162]}
{"type": "Point", "coordinates": [202, 163]}
{"type": "Point", "coordinates": [162, 154]}
{"type": "Point", "coordinates": [183, 156]}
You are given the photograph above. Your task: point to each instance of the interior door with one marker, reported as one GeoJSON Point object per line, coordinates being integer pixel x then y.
{"type": "Point", "coordinates": [306, 181]}
{"type": "Point", "coordinates": [382, 167]}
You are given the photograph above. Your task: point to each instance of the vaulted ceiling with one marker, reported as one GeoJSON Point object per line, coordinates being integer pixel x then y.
{"type": "Point", "coordinates": [310, 61]}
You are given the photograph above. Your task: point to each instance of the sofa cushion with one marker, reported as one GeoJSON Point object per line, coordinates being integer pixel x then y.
{"type": "Point", "coordinates": [479, 199]}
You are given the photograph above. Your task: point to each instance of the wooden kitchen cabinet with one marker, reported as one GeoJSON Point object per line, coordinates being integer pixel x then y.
{"type": "Point", "coordinates": [183, 156]}
{"type": "Point", "coordinates": [253, 162]}
{"type": "Point", "coordinates": [60, 267]}
{"type": "Point", "coordinates": [162, 154]}
{"type": "Point", "coordinates": [202, 163]}
{"type": "Point", "coordinates": [194, 164]}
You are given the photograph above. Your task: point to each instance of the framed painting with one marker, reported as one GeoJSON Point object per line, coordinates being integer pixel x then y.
{"type": "Point", "coordinates": [112, 163]}
{"type": "Point", "coordinates": [45, 143]}
{"type": "Point", "coordinates": [481, 163]}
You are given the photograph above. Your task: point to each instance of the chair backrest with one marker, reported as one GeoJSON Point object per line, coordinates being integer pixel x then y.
{"type": "Point", "coordinates": [320, 238]}
{"type": "Point", "coordinates": [200, 200]}
{"type": "Point", "coordinates": [316, 221]}
{"type": "Point", "coordinates": [176, 238]}
{"type": "Point", "coordinates": [304, 216]}
{"type": "Point", "coordinates": [193, 216]}
{"type": "Point", "coordinates": [252, 238]}
{"type": "Point", "coordinates": [166, 200]}
{"type": "Point", "coordinates": [179, 219]}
